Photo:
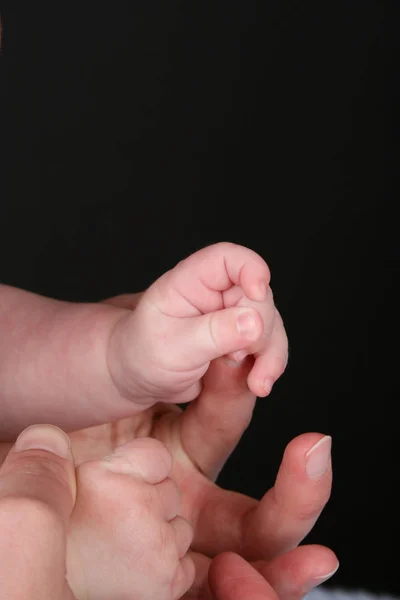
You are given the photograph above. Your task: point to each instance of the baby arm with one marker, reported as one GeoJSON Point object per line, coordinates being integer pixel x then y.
{"type": "Point", "coordinates": [78, 365]}
{"type": "Point", "coordinates": [53, 363]}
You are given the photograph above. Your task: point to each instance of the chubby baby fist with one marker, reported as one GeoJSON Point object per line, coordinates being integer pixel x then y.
{"type": "Point", "coordinates": [216, 302]}
{"type": "Point", "coordinates": [126, 539]}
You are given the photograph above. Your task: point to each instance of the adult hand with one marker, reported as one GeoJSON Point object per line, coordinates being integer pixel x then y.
{"type": "Point", "coordinates": [37, 492]}
{"type": "Point", "coordinates": [200, 440]}
{"type": "Point", "coordinates": [37, 495]}
{"type": "Point", "coordinates": [232, 578]}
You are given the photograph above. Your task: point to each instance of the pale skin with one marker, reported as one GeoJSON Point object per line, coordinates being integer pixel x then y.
{"type": "Point", "coordinates": [87, 364]}
{"type": "Point", "coordinates": [267, 532]}
{"type": "Point", "coordinates": [161, 366]}
{"type": "Point", "coordinates": [126, 538]}
{"type": "Point", "coordinates": [37, 497]}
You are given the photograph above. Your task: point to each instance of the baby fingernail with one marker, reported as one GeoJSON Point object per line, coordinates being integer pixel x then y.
{"type": "Point", "coordinates": [44, 437]}
{"type": "Point", "coordinates": [268, 384]}
{"type": "Point", "coordinates": [261, 292]}
{"type": "Point", "coordinates": [318, 457]}
{"type": "Point", "coordinates": [246, 324]}
{"type": "Point", "coordinates": [238, 356]}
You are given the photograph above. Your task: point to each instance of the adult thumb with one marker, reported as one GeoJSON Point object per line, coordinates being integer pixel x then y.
{"type": "Point", "coordinates": [37, 495]}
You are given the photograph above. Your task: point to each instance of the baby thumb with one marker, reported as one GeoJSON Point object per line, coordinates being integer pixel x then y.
{"type": "Point", "coordinates": [215, 334]}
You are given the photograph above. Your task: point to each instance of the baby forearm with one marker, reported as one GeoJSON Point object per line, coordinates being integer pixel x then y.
{"type": "Point", "coordinates": [53, 363]}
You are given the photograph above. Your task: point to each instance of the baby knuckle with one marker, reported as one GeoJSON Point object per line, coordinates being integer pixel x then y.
{"type": "Point", "coordinates": [162, 454]}
{"type": "Point", "coordinates": [183, 577]}
{"type": "Point", "coordinates": [148, 501]}
{"type": "Point", "coordinates": [166, 575]}
{"type": "Point", "coordinates": [167, 549]}
{"type": "Point", "coordinates": [167, 542]}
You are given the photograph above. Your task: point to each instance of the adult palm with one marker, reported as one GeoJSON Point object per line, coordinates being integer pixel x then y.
{"type": "Point", "coordinates": [200, 439]}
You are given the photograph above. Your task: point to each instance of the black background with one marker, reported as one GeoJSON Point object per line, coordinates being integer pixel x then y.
{"type": "Point", "coordinates": [136, 132]}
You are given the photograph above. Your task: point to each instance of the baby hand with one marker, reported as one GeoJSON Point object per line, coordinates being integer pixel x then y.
{"type": "Point", "coordinates": [125, 539]}
{"type": "Point", "coordinates": [216, 302]}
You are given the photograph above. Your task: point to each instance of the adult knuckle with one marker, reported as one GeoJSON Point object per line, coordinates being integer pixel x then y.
{"type": "Point", "coordinates": [311, 510]}
{"type": "Point", "coordinates": [45, 469]}
{"type": "Point", "coordinates": [31, 511]}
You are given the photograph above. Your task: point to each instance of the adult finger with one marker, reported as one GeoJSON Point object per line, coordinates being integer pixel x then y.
{"type": "Point", "coordinates": [37, 495]}
{"type": "Point", "coordinates": [227, 521]}
{"type": "Point", "coordinates": [232, 578]}
{"type": "Point", "coordinates": [289, 510]}
{"type": "Point", "coordinates": [292, 574]}
{"type": "Point", "coordinates": [295, 573]}
{"type": "Point", "coordinates": [213, 424]}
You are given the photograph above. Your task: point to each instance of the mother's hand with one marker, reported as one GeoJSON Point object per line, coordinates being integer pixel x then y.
{"type": "Point", "coordinates": [200, 439]}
